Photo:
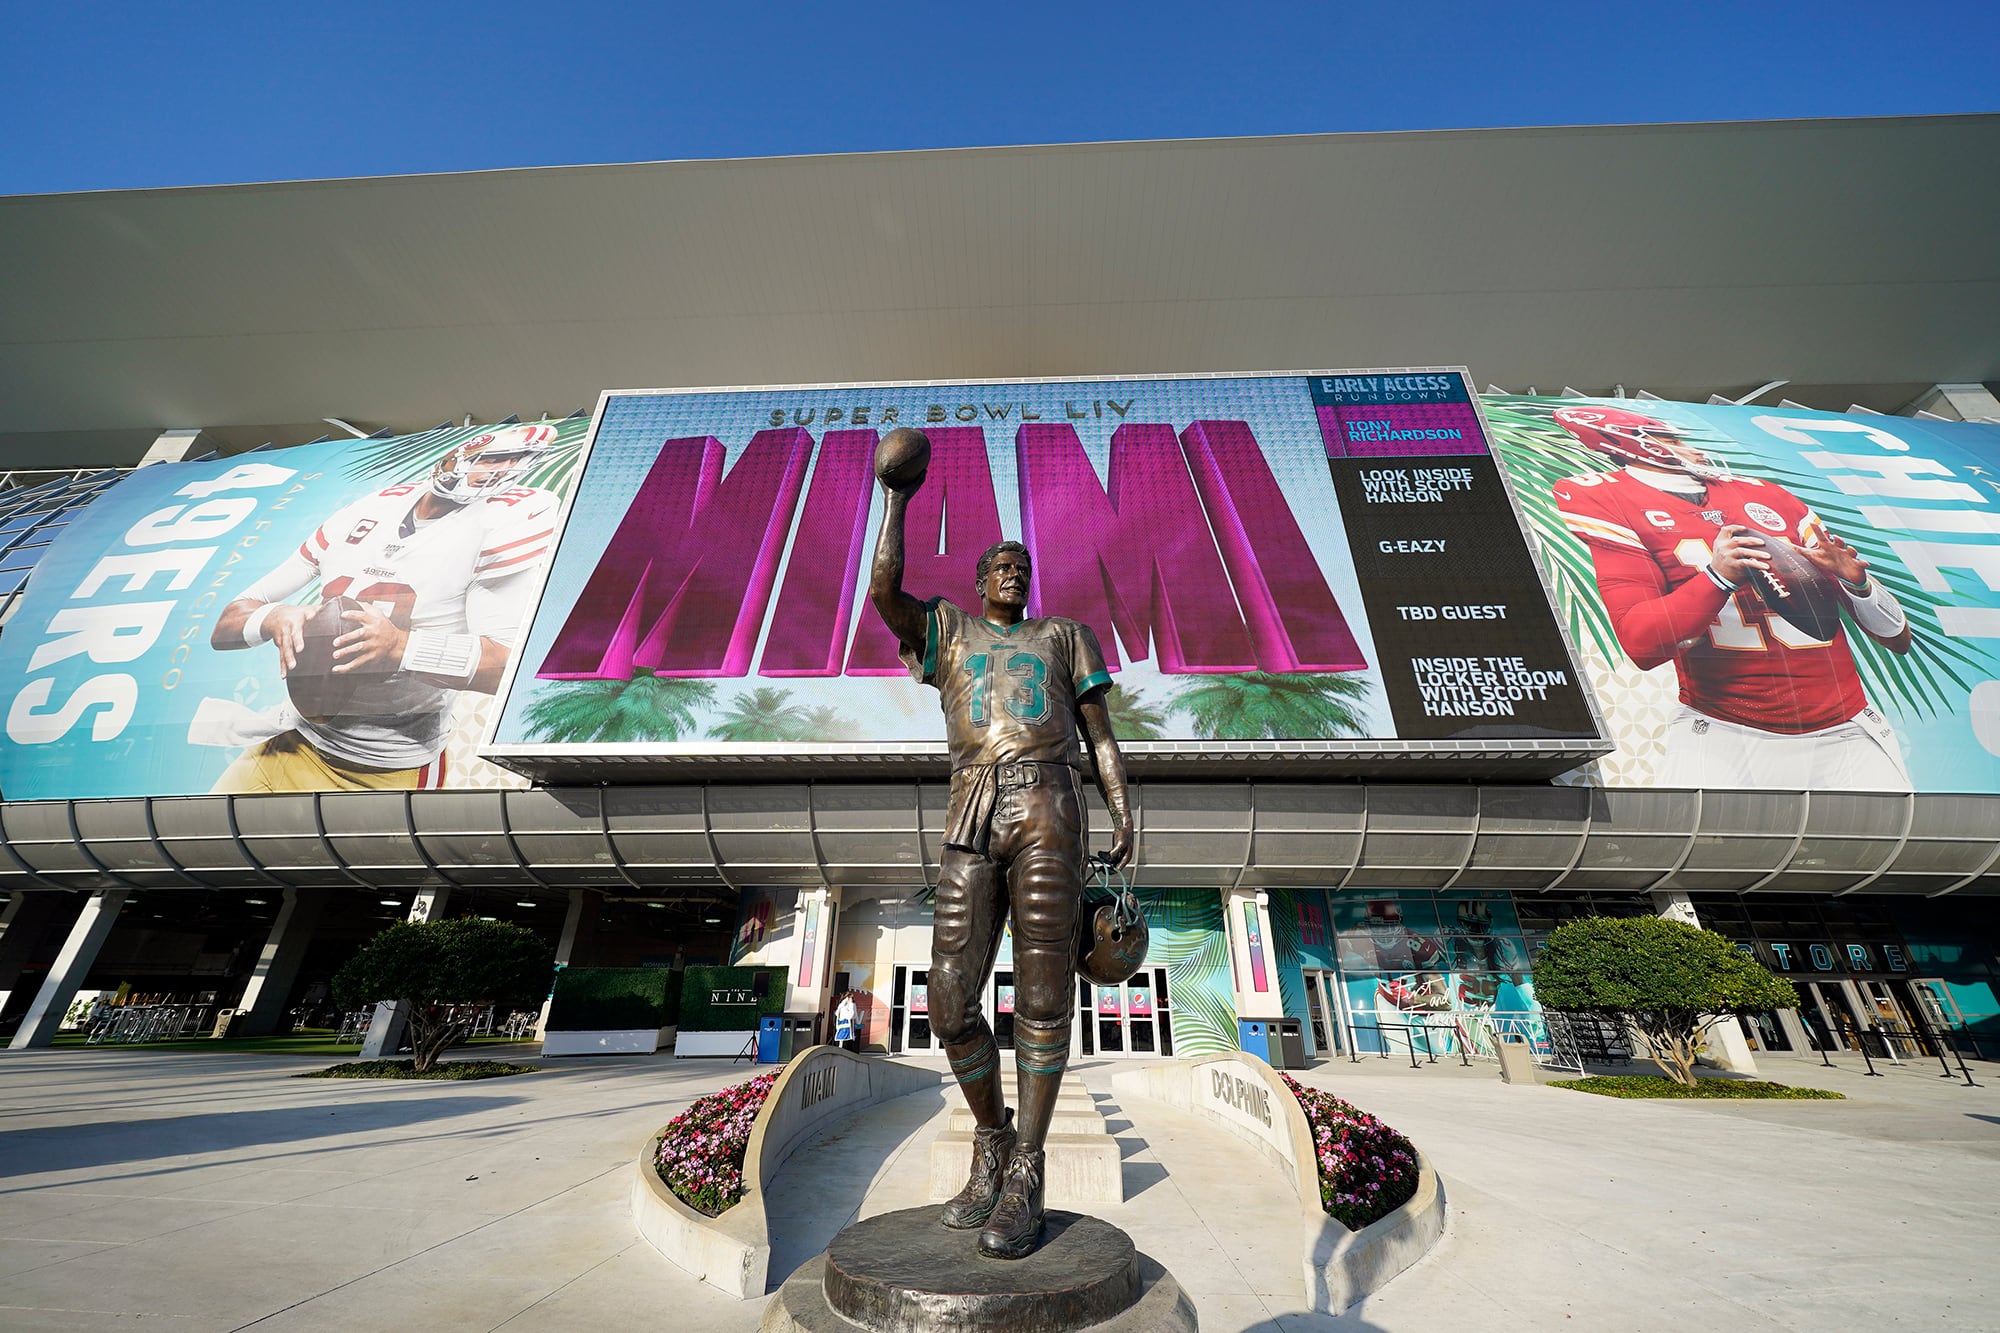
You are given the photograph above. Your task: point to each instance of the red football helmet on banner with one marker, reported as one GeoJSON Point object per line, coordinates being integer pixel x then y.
{"type": "Point", "coordinates": [1634, 437]}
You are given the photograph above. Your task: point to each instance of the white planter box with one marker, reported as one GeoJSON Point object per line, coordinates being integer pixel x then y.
{"type": "Point", "coordinates": [714, 1043]}
{"type": "Point", "coordinates": [633, 1041]}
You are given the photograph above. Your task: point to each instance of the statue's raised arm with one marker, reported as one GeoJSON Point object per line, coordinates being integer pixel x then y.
{"type": "Point", "coordinates": [900, 462]}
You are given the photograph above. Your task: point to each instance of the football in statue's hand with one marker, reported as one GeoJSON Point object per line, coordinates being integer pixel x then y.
{"type": "Point", "coordinates": [902, 459]}
{"type": "Point", "coordinates": [1797, 590]}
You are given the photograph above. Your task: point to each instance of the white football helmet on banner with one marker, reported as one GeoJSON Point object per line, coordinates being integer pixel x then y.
{"type": "Point", "coordinates": [491, 462]}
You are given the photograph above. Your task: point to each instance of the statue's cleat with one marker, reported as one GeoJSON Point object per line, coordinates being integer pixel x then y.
{"type": "Point", "coordinates": [991, 1149]}
{"type": "Point", "coordinates": [1016, 1225]}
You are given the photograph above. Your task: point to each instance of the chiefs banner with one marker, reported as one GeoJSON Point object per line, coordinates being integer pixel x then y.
{"type": "Point", "coordinates": [331, 617]}
{"type": "Point", "coordinates": [1772, 598]}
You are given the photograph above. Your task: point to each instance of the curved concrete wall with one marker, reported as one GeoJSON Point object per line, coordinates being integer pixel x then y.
{"type": "Point", "coordinates": [733, 1252]}
{"type": "Point", "coordinates": [1244, 1096]}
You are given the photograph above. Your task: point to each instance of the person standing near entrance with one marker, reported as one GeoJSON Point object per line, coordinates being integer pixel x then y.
{"type": "Point", "coordinates": [1015, 693]}
{"type": "Point", "coordinates": [845, 1014]}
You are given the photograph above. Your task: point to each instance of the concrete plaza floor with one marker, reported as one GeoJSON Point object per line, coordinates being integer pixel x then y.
{"type": "Point", "coordinates": [142, 1190]}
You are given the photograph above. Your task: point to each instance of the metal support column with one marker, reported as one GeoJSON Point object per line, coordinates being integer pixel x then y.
{"type": "Point", "coordinates": [72, 965]}
{"type": "Point", "coordinates": [263, 1002]}
{"type": "Point", "coordinates": [581, 901]}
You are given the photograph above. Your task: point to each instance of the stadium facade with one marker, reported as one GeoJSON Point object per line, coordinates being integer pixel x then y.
{"type": "Point", "coordinates": [1412, 666]}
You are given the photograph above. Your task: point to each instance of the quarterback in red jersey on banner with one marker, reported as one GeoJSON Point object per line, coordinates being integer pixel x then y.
{"type": "Point", "coordinates": [1717, 574]}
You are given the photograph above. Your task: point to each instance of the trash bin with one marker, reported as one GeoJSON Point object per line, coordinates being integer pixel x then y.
{"type": "Point", "coordinates": [1292, 1041]}
{"type": "Point", "coordinates": [1517, 1059]}
{"type": "Point", "coordinates": [1254, 1036]}
{"type": "Point", "coordinates": [228, 1023]}
{"type": "Point", "coordinates": [770, 1041]}
{"type": "Point", "coordinates": [801, 1035]}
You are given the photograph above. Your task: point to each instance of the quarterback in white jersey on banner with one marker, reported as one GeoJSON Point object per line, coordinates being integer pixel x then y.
{"type": "Point", "coordinates": [423, 587]}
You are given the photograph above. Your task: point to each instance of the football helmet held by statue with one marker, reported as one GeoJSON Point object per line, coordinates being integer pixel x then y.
{"type": "Point", "coordinates": [1113, 946]}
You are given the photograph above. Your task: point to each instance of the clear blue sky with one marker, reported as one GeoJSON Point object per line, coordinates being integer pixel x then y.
{"type": "Point", "coordinates": [103, 96]}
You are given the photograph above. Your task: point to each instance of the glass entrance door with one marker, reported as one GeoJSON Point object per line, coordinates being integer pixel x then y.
{"type": "Point", "coordinates": [1900, 1032]}
{"type": "Point", "coordinates": [910, 1009]}
{"type": "Point", "coordinates": [1322, 1014]}
{"type": "Point", "coordinates": [1001, 1006]}
{"type": "Point", "coordinates": [1132, 1019]}
{"type": "Point", "coordinates": [1933, 998]}
{"type": "Point", "coordinates": [1836, 1015]}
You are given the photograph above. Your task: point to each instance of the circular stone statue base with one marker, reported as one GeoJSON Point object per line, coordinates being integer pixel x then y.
{"type": "Point", "coordinates": [902, 1272]}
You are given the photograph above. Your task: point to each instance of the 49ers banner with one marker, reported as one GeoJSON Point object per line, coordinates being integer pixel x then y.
{"type": "Point", "coordinates": [1772, 598]}
{"type": "Point", "coordinates": [1327, 560]}
{"type": "Point", "coordinates": [331, 617]}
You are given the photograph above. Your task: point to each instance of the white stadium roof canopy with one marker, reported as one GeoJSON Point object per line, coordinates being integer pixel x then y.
{"type": "Point", "coordinates": [1856, 259]}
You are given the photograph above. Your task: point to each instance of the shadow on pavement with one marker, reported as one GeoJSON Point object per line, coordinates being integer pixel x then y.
{"type": "Point", "coordinates": [78, 1147]}
{"type": "Point", "coordinates": [820, 1188]}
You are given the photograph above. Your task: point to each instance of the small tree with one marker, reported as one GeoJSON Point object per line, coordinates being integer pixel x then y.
{"type": "Point", "coordinates": [1667, 979]}
{"type": "Point", "coordinates": [434, 965]}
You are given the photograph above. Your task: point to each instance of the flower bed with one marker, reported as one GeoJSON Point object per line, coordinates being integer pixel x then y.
{"type": "Point", "coordinates": [1366, 1169]}
{"type": "Point", "coordinates": [1645, 1085]}
{"type": "Point", "coordinates": [701, 1149]}
{"type": "Point", "coordinates": [449, 1070]}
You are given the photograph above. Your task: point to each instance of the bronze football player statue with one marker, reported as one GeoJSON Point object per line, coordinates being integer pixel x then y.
{"type": "Point", "coordinates": [1015, 693]}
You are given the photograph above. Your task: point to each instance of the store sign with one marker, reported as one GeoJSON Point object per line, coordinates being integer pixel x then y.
{"type": "Point", "coordinates": [144, 658]}
{"type": "Point", "coordinates": [1325, 558]}
{"type": "Point", "coordinates": [1871, 664]}
{"type": "Point", "coordinates": [1800, 956]}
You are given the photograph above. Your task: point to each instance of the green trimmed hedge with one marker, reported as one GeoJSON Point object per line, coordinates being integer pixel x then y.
{"type": "Point", "coordinates": [614, 999]}
{"type": "Point", "coordinates": [699, 1012]}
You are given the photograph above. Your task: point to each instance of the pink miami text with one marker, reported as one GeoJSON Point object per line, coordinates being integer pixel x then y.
{"type": "Point", "coordinates": [1188, 545]}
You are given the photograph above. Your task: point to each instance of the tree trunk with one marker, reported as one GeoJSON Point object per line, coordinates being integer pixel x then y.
{"type": "Point", "coordinates": [431, 1033]}
{"type": "Point", "coordinates": [1670, 1039]}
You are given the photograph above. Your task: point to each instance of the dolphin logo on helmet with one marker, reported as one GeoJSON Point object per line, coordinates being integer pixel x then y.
{"type": "Point", "coordinates": [1112, 948]}
{"type": "Point", "coordinates": [491, 462]}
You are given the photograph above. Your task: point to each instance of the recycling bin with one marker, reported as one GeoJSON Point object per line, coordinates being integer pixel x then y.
{"type": "Point", "coordinates": [801, 1035]}
{"type": "Point", "coordinates": [1254, 1036]}
{"type": "Point", "coordinates": [770, 1041]}
{"type": "Point", "coordinates": [1292, 1042]}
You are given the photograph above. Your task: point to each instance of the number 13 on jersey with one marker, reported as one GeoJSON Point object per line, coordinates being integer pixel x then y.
{"type": "Point", "coordinates": [1025, 697]}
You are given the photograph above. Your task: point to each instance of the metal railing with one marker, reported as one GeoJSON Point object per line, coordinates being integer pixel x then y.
{"type": "Point", "coordinates": [1884, 1040]}
{"type": "Point", "coordinates": [1471, 1035]}
{"type": "Point", "coordinates": [131, 1024]}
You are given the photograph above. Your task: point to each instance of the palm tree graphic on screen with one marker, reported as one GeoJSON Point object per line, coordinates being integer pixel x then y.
{"type": "Point", "coordinates": [760, 715]}
{"type": "Point", "coordinates": [769, 714]}
{"type": "Point", "coordinates": [1263, 705]}
{"type": "Point", "coordinates": [1133, 718]}
{"type": "Point", "coordinates": [644, 708]}
{"type": "Point", "coordinates": [666, 708]}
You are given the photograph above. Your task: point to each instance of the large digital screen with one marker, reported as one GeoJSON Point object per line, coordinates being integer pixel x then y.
{"type": "Point", "coordinates": [333, 617]}
{"type": "Point", "coordinates": [1326, 560]}
{"type": "Point", "coordinates": [1870, 663]}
